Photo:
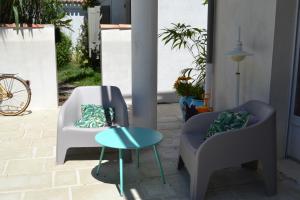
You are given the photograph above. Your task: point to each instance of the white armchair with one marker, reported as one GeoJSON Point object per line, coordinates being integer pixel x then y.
{"type": "Point", "coordinates": [70, 136]}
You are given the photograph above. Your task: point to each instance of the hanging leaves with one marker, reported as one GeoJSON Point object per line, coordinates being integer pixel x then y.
{"type": "Point", "coordinates": [181, 36]}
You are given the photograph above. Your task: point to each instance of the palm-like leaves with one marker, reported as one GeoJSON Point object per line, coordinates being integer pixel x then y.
{"type": "Point", "coordinates": [194, 40]}
{"type": "Point", "coordinates": [33, 12]}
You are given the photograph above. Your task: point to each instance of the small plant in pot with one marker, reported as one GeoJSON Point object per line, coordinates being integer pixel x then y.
{"type": "Point", "coordinates": [194, 40]}
{"type": "Point", "coordinates": [183, 86]}
{"type": "Point", "coordinates": [197, 91]}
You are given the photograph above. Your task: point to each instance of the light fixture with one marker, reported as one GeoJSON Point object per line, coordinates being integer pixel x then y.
{"type": "Point", "coordinates": [237, 55]}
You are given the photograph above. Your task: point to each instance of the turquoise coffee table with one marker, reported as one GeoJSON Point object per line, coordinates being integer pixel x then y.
{"type": "Point", "coordinates": [129, 138]}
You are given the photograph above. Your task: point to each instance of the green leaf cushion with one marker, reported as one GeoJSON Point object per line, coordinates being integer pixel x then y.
{"type": "Point", "coordinates": [227, 121]}
{"type": "Point", "coordinates": [95, 116]}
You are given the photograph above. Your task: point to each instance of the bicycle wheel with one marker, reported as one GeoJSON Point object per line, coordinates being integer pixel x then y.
{"type": "Point", "coordinates": [15, 96]}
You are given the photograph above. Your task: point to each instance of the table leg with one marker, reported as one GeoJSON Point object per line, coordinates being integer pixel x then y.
{"type": "Point", "coordinates": [121, 171]}
{"type": "Point", "coordinates": [159, 164]}
{"type": "Point", "coordinates": [100, 159]}
{"type": "Point", "coordinates": [137, 151]}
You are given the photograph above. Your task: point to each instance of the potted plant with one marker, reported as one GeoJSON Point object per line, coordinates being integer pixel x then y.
{"type": "Point", "coordinates": [190, 84]}
{"type": "Point", "coordinates": [197, 91]}
{"type": "Point", "coordinates": [183, 86]}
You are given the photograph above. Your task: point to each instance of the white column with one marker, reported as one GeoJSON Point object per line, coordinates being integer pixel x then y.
{"type": "Point", "coordinates": [144, 62]}
{"type": "Point", "coordinates": [208, 82]}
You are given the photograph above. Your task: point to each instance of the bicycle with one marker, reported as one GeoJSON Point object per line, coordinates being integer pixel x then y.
{"type": "Point", "coordinates": [15, 95]}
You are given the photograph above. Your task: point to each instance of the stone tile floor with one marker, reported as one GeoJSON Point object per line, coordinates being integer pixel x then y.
{"type": "Point", "coordinates": [28, 170]}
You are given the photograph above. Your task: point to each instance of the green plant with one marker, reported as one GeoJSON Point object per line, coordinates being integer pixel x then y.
{"type": "Point", "coordinates": [197, 91]}
{"type": "Point", "coordinates": [90, 3]}
{"type": "Point", "coordinates": [75, 75]}
{"type": "Point", "coordinates": [194, 40]}
{"type": "Point", "coordinates": [63, 50]}
{"type": "Point", "coordinates": [183, 86]}
{"type": "Point", "coordinates": [53, 13]}
{"type": "Point", "coordinates": [81, 53]}
{"type": "Point", "coordinates": [33, 12]}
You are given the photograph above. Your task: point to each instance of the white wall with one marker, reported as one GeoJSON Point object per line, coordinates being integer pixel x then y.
{"type": "Point", "coordinates": [31, 54]}
{"type": "Point", "coordinates": [171, 62]}
{"type": "Point", "coordinates": [268, 31]}
{"type": "Point", "coordinates": [117, 57]}
{"type": "Point", "coordinates": [257, 21]}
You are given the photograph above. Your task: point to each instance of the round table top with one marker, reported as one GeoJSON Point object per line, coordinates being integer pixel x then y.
{"type": "Point", "coordinates": [128, 137]}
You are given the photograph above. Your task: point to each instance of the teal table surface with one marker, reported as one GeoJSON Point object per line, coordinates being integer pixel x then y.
{"type": "Point", "coordinates": [128, 138]}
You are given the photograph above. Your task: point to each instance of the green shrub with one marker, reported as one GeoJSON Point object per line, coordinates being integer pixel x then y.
{"type": "Point", "coordinates": [76, 75]}
{"type": "Point", "coordinates": [34, 12]}
{"type": "Point", "coordinates": [81, 53]}
{"type": "Point", "coordinates": [63, 50]}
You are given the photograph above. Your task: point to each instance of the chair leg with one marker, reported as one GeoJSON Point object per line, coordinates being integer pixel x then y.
{"type": "Point", "coordinates": [159, 164]}
{"type": "Point", "coordinates": [127, 155]}
{"type": "Point", "coordinates": [61, 152]}
{"type": "Point", "coordinates": [180, 164]}
{"type": "Point", "coordinates": [198, 185]}
{"type": "Point", "coordinates": [270, 175]}
{"type": "Point", "coordinates": [137, 152]}
{"type": "Point", "coordinates": [121, 171]}
{"type": "Point", "coordinates": [100, 159]}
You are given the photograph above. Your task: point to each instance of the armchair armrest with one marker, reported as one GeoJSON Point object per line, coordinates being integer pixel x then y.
{"type": "Point", "coordinates": [120, 108]}
{"type": "Point", "coordinates": [250, 142]}
{"type": "Point", "coordinates": [68, 113]}
{"type": "Point", "coordinates": [199, 123]}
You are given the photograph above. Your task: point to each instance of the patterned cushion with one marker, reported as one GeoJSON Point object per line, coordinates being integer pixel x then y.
{"type": "Point", "coordinates": [227, 121]}
{"type": "Point", "coordinates": [95, 116]}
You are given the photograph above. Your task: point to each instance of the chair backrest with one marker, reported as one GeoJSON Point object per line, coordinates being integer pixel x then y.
{"type": "Point", "coordinates": [107, 96]}
{"type": "Point", "coordinates": [258, 109]}
{"type": "Point", "coordinates": [99, 95]}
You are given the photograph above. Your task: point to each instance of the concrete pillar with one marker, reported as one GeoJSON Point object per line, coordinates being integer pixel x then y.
{"type": "Point", "coordinates": [144, 62]}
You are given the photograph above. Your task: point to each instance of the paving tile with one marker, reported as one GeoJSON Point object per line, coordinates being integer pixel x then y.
{"type": "Point", "coordinates": [169, 125]}
{"type": "Point", "coordinates": [49, 133]}
{"type": "Point", "coordinates": [2, 166]}
{"type": "Point", "coordinates": [27, 166]}
{"type": "Point", "coordinates": [45, 152]}
{"type": "Point", "coordinates": [10, 196]}
{"type": "Point", "coordinates": [11, 134]}
{"type": "Point", "coordinates": [72, 164]}
{"type": "Point", "coordinates": [7, 143]}
{"type": "Point", "coordinates": [21, 182]}
{"type": "Point", "coordinates": [44, 142]}
{"type": "Point", "coordinates": [290, 169]}
{"type": "Point", "coordinates": [52, 194]}
{"type": "Point", "coordinates": [180, 184]}
{"type": "Point", "coordinates": [33, 133]}
{"type": "Point", "coordinates": [8, 125]}
{"type": "Point", "coordinates": [15, 153]}
{"type": "Point", "coordinates": [150, 168]}
{"type": "Point", "coordinates": [224, 195]}
{"type": "Point", "coordinates": [133, 192]}
{"type": "Point", "coordinates": [155, 188]}
{"type": "Point", "coordinates": [168, 152]}
{"type": "Point", "coordinates": [32, 138]}
{"type": "Point", "coordinates": [86, 177]}
{"type": "Point", "coordinates": [63, 178]}
{"type": "Point", "coordinates": [96, 192]}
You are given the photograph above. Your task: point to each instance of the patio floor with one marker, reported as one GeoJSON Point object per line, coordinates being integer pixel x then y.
{"type": "Point", "coordinates": [28, 170]}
